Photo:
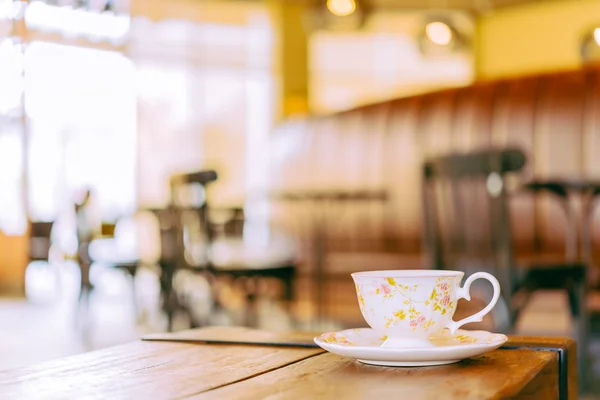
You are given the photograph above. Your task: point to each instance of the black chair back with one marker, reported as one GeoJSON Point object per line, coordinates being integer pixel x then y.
{"type": "Point", "coordinates": [466, 215]}
{"type": "Point", "coordinates": [189, 201]}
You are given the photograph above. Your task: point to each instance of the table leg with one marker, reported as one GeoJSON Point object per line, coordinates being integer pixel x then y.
{"type": "Point", "coordinates": [582, 332]}
{"type": "Point", "coordinates": [586, 227]}
{"type": "Point", "coordinates": [578, 236]}
{"type": "Point", "coordinates": [319, 235]}
{"type": "Point", "coordinates": [571, 238]}
{"type": "Point", "coordinates": [320, 251]}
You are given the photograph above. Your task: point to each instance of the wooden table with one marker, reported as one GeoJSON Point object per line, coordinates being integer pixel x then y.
{"type": "Point", "coordinates": [527, 367]}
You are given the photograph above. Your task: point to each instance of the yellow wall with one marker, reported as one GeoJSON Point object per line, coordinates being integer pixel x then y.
{"type": "Point", "coordinates": [290, 56]}
{"type": "Point", "coordinates": [532, 38]}
{"type": "Point", "coordinates": [221, 11]}
{"type": "Point", "coordinates": [13, 261]}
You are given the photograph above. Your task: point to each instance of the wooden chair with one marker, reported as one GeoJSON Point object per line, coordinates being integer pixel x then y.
{"type": "Point", "coordinates": [129, 267]}
{"type": "Point", "coordinates": [39, 240]}
{"type": "Point", "coordinates": [222, 256]}
{"type": "Point", "coordinates": [40, 244]}
{"type": "Point", "coordinates": [169, 260]}
{"type": "Point", "coordinates": [467, 227]}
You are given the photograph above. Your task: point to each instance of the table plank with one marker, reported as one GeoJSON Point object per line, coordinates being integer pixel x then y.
{"type": "Point", "coordinates": [564, 345]}
{"type": "Point", "coordinates": [499, 374]}
{"type": "Point", "coordinates": [528, 368]}
{"type": "Point", "coordinates": [146, 370]}
{"type": "Point", "coordinates": [240, 335]}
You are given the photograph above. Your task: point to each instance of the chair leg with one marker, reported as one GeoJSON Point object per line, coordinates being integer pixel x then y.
{"type": "Point", "coordinates": [136, 309]}
{"type": "Point", "coordinates": [503, 316]}
{"type": "Point", "coordinates": [83, 302]}
{"type": "Point", "coordinates": [578, 304]}
{"type": "Point", "coordinates": [169, 303]}
{"type": "Point", "coordinates": [251, 288]}
{"type": "Point", "coordinates": [288, 282]}
{"type": "Point", "coordinates": [288, 294]}
{"type": "Point", "coordinates": [85, 289]}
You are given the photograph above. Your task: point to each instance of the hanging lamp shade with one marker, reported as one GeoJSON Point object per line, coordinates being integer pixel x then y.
{"type": "Point", "coordinates": [338, 15]}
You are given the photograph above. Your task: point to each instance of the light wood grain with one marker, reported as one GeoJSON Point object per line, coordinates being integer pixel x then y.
{"type": "Point", "coordinates": [236, 333]}
{"type": "Point", "coordinates": [145, 370]}
{"type": "Point", "coordinates": [544, 386]}
{"type": "Point", "coordinates": [499, 374]}
{"type": "Point", "coordinates": [568, 345]}
{"type": "Point", "coordinates": [167, 370]}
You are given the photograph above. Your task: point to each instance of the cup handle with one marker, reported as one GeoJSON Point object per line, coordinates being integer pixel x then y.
{"type": "Point", "coordinates": [463, 293]}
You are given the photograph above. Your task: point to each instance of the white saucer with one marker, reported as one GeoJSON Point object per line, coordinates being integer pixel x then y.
{"type": "Point", "coordinates": [364, 344]}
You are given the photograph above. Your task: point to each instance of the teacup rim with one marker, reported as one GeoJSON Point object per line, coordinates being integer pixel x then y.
{"type": "Point", "coordinates": [408, 273]}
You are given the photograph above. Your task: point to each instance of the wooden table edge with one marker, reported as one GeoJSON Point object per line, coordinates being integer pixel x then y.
{"type": "Point", "coordinates": [559, 345]}
{"type": "Point", "coordinates": [562, 346]}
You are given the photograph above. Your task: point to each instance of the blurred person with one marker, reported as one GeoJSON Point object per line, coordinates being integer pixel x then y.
{"type": "Point", "coordinates": [87, 227]}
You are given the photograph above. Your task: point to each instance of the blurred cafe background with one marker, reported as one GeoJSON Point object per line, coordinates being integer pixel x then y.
{"type": "Point", "coordinates": [167, 164]}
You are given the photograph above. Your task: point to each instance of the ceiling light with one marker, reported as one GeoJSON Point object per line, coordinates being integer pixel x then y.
{"type": "Point", "coordinates": [590, 44]}
{"type": "Point", "coordinates": [440, 33]}
{"type": "Point", "coordinates": [446, 33]}
{"type": "Point", "coordinates": [341, 8]}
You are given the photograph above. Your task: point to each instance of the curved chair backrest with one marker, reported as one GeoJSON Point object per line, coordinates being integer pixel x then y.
{"type": "Point", "coordinates": [466, 215]}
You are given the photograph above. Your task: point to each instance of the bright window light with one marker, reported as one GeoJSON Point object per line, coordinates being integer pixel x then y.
{"type": "Point", "coordinates": [76, 22]}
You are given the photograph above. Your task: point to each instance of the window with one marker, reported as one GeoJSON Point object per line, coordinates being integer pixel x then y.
{"type": "Point", "coordinates": [82, 122]}
{"type": "Point", "coordinates": [205, 101]}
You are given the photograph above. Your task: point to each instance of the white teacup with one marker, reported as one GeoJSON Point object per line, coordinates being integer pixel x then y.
{"type": "Point", "coordinates": [410, 306]}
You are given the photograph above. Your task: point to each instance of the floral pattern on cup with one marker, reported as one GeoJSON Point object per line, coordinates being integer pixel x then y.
{"type": "Point", "coordinates": [414, 308]}
{"type": "Point", "coordinates": [411, 306]}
